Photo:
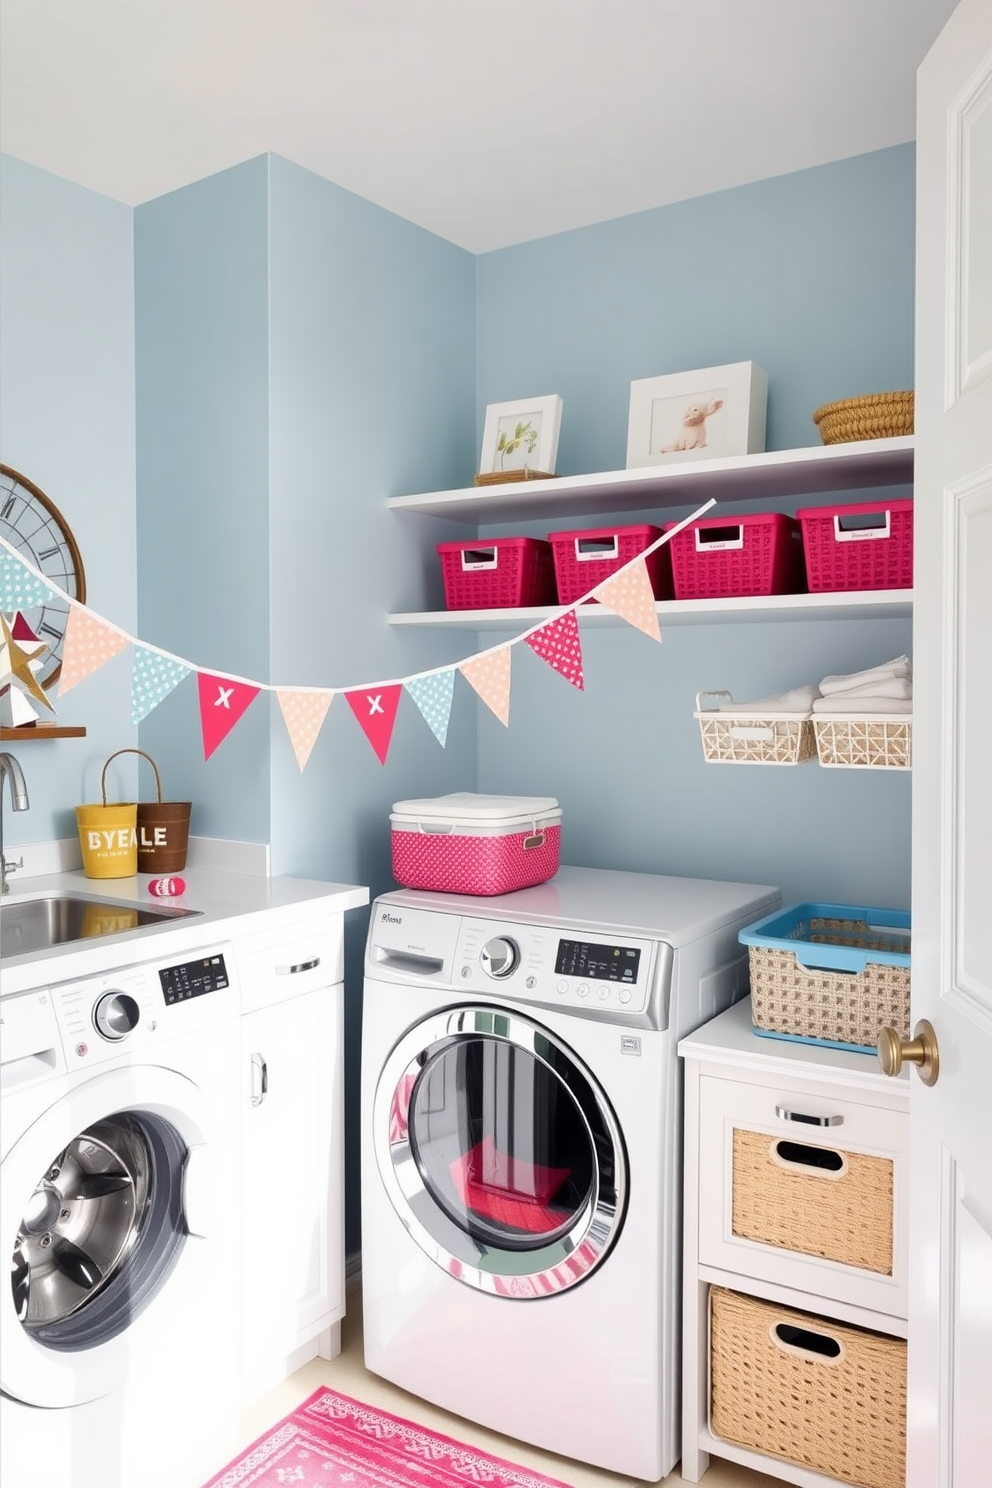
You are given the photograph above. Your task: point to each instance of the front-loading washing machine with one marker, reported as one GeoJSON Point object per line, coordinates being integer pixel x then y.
{"type": "Point", "coordinates": [119, 1097]}
{"type": "Point", "coordinates": [521, 1149]}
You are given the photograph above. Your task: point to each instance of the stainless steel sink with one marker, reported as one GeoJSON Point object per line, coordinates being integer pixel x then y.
{"type": "Point", "coordinates": [28, 925]}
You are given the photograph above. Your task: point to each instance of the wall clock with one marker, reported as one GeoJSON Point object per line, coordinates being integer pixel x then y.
{"type": "Point", "coordinates": [32, 523]}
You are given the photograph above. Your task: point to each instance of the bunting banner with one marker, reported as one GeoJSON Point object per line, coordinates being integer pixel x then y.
{"type": "Point", "coordinates": [153, 677]}
{"type": "Point", "coordinates": [303, 714]}
{"type": "Point", "coordinates": [88, 645]}
{"type": "Point", "coordinates": [558, 644]}
{"type": "Point", "coordinates": [629, 594]}
{"type": "Point", "coordinates": [223, 702]}
{"type": "Point", "coordinates": [20, 587]}
{"type": "Point", "coordinates": [489, 674]}
{"type": "Point", "coordinates": [433, 695]}
{"type": "Point", "coordinates": [376, 712]}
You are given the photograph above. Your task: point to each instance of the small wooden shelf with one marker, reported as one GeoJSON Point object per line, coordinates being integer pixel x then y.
{"type": "Point", "coordinates": [771, 477]}
{"type": "Point", "coordinates": [874, 604]}
{"type": "Point", "coordinates": [28, 733]}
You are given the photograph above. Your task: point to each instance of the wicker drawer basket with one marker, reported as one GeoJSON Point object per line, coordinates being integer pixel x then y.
{"type": "Point", "coordinates": [753, 738]}
{"type": "Point", "coordinates": [820, 1201]}
{"type": "Point", "coordinates": [879, 741]}
{"type": "Point", "coordinates": [823, 1395]}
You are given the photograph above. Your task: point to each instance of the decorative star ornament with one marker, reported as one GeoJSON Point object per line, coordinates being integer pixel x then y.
{"type": "Point", "coordinates": [19, 651]}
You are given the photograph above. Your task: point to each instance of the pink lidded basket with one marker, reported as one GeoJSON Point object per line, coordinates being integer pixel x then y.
{"type": "Point", "coordinates": [867, 546]}
{"type": "Point", "coordinates": [759, 554]}
{"type": "Point", "coordinates": [466, 843]}
{"type": "Point", "coordinates": [504, 573]}
{"type": "Point", "coordinates": [584, 559]}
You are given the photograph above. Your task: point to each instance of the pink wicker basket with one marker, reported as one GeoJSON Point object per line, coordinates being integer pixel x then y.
{"type": "Point", "coordinates": [866, 546]}
{"type": "Point", "coordinates": [759, 554]}
{"type": "Point", "coordinates": [505, 573]}
{"type": "Point", "coordinates": [583, 559]}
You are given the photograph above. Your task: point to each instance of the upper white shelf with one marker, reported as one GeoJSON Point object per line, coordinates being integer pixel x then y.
{"type": "Point", "coordinates": [772, 477]}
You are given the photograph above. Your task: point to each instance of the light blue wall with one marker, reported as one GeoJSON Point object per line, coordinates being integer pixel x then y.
{"type": "Point", "coordinates": [67, 423]}
{"type": "Point", "coordinates": [811, 276]}
{"type": "Point", "coordinates": [202, 359]}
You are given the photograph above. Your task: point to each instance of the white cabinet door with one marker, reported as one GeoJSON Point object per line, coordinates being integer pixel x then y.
{"type": "Point", "coordinates": [292, 1179]}
{"type": "Point", "coordinates": [950, 1297]}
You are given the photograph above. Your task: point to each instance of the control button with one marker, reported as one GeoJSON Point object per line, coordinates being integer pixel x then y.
{"type": "Point", "coordinates": [604, 993]}
{"type": "Point", "coordinates": [582, 989]}
{"type": "Point", "coordinates": [531, 983]}
{"type": "Point", "coordinates": [82, 1050]}
{"type": "Point", "coordinates": [466, 971]}
{"type": "Point", "coordinates": [562, 987]}
{"type": "Point", "coordinates": [624, 995]}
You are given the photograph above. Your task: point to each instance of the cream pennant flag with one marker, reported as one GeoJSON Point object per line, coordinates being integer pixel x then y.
{"type": "Point", "coordinates": [89, 644]}
{"type": "Point", "coordinates": [489, 674]}
{"type": "Point", "coordinates": [558, 644]}
{"type": "Point", "coordinates": [304, 714]}
{"type": "Point", "coordinates": [630, 595]}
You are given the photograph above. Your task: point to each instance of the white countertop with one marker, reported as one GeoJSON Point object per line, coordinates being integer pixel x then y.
{"type": "Point", "coordinates": [227, 904]}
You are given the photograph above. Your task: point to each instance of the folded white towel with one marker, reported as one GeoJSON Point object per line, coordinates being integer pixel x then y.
{"type": "Point", "coordinates": [842, 702]}
{"type": "Point", "coordinates": [796, 700]}
{"type": "Point", "coordinates": [890, 687]}
{"type": "Point", "coordinates": [900, 666]}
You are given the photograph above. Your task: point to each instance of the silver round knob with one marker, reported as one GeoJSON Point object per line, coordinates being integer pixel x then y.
{"type": "Point", "coordinates": [500, 956]}
{"type": "Point", "coordinates": [115, 1015]}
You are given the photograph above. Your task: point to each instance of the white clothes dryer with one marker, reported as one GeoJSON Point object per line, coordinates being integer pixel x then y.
{"type": "Point", "coordinates": [119, 1097]}
{"type": "Point", "coordinates": [521, 1149]}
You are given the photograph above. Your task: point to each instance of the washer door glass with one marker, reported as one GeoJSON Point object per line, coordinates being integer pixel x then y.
{"type": "Point", "coordinates": [500, 1154]}
{"type": "Point", "coordinates": [101, 1230]}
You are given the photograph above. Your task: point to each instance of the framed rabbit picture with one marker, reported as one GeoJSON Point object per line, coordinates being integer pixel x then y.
{"type": "Point", "coordinates": [701, 415]}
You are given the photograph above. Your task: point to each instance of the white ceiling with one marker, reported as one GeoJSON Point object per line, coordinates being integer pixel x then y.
{"type": "Point", "coordinates": [487, 121]}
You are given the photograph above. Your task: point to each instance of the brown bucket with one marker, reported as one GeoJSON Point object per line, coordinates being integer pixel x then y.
{"type": "Point", "coordinates": [162, 826]}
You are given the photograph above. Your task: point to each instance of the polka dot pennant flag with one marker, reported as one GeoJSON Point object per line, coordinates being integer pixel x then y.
{"type": "Point", "coordinates": [629, 594]}
{"type": "Point", "coordinates": [489, 674]}
{"type": "Point", "coordinates": [433, 696]}
{"type": "Point", "coordinates": [559, 645]}
{"type": "Point", "coordinates": [153, 677]}
{"type": "Point", "coordinates": [303, 714]}
{"type": "Point", "coordinates": [88, 645]}
{"type": "Point", "coordinates": [223, 702]}
{"type": "Point", "coordinates": [376, 712]}
{"type": "Point", "coordinates": [19, 589]}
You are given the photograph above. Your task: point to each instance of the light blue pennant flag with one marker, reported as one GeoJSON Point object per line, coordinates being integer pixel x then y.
{"type": "Point", "coordinates": [153, 677]}
{"type": "Point", "coordinates": [432, 696]}
{"type": "Point", "coordinates": [19, 589]}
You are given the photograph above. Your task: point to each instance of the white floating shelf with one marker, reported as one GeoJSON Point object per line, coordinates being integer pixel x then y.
{"type": "Point", "coordinates": [773, 477]}
{"type": "Point", "coordinates": [876, 604]}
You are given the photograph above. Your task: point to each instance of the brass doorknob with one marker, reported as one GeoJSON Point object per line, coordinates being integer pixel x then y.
{"type": "Point", "coordinates": [921, 1050]}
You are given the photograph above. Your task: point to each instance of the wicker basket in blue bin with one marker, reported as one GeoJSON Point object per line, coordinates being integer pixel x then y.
{"type": "Point", "coordinates": [833, 974]}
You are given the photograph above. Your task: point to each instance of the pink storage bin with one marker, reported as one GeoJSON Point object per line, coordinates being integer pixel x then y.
{"type": "Point", "coordinates": [583, 559]}
{"type": "Point", "coordinates": [467, 843]}
{"type": "Point", "coordinates": [867, 546]}
{"type": "Point", "coordinates": [723, 556]}
{"type": "Point", "coordinates": [504, 573]}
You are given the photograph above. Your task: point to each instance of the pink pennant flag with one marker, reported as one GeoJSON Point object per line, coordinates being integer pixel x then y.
{"type": "Point", "coordinates": [89, 643]}
{"type": "Point", "coordinates": [630, 595]}
{"type": "Point", "coordinates": [304, 714]}
{"type": "Point", "coordinates": [222, 703]}
{"type": "Point", "coordinates": [376, 712]}
{"type": "Point", "coordinates": [558, 644]}
{"type": "Point", "coordinates": [490, 676]}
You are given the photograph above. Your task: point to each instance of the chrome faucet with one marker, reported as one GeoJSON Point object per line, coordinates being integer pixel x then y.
{"type": "Point", "coordinates": [18, 800]}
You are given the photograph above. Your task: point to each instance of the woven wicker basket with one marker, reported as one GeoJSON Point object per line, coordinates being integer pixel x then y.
{"type": "Point", "coordinates": [753, 738]}
{"type": "Point", "coordinates": [786, 1194]}
{"type": "Point", "coordinates": [498, 477]}
{"type": "Point", "coordinates": [824, 1395]}
{"type": "Point", "coordinates": [874, 416]}
{"type": "Point", "coordinates": [880, 741]}
{"type": "Point", "coordinates": [835, 1007]}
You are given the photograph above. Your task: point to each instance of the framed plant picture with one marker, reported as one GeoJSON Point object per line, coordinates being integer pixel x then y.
{"type": "Point", "coordinates": [521, 439]}
{"type": "Point", "coordinates": [701, 415]}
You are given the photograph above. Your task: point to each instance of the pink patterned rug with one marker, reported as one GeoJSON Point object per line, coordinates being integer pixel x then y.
{"type": "Point", "coordinates": [331, 1440]}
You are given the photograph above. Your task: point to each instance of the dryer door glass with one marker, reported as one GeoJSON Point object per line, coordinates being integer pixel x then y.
{"type": "Point", "coordinates": [100, 1232]}
{"type": "Point", "coordinates": [505, 1160]}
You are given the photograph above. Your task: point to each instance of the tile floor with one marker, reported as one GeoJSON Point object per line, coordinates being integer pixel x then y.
{"type": "Point", "coordinates": [348, 1374]}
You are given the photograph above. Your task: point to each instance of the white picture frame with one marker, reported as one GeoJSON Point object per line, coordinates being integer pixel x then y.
{"type": "Point", "coordinates": [528, 429]}
{"type": "Point", "coordinates": [707, 414]}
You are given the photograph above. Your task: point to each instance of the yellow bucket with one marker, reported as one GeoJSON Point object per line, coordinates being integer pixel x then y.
{"type": "Point", "coordinates": [109, 839]}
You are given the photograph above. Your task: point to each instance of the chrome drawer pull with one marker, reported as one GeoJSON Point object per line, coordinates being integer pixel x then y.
{"type": "Point", "coordinates": [300, 966]}
{"type": "Point", "coordinates": [807, 1120]}
{"type": "Point", "coordinates": [259, 1079]}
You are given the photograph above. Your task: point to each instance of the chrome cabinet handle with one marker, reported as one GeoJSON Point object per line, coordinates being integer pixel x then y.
{"type": "Point", "coordinates": [300, 966]}
{"type": "Point", "coordinates": [806, 1120]}
{"type": "Point", "coordinates": [259, 1079]}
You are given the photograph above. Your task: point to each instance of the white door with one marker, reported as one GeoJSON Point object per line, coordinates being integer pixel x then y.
{"type": "Point", "coordinates": [950, 1311]}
